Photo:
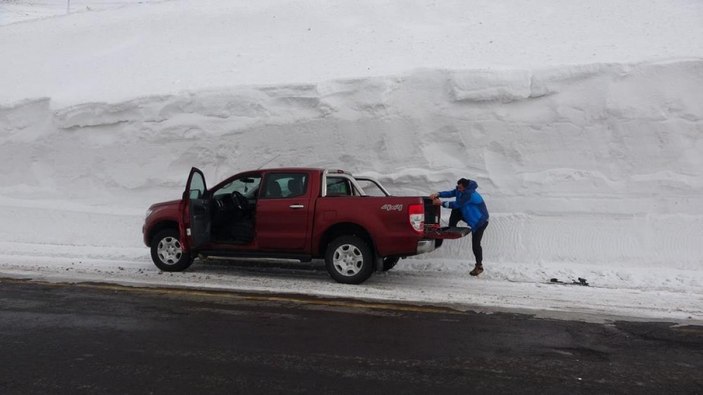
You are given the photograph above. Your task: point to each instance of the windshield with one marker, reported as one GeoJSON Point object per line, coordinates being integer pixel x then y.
{"type": "Point", "coordinates": [247, 186]}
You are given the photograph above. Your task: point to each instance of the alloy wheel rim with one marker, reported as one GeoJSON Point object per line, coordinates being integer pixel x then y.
{"type": "Point", "coordinates": [169, 250]}
{"type": "Point", "coordinates": [348, 260]}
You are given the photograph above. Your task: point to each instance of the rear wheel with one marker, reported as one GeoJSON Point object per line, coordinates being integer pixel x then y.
{"type": "Point", "coordinates": [349, 260]}
{"type": "Point", "coordinates": [167, 252]}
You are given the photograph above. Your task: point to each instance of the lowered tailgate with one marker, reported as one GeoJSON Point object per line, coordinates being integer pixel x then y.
{"type": "Point", "coordinates": [432, 228]}
{"type": "Point", "coordinates": [455, 232]}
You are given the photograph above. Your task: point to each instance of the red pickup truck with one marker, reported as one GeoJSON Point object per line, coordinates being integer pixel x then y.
{"type": "Point", "coordinates": [299, 213]}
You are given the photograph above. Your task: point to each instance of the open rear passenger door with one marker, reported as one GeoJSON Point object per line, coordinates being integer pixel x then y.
{"type": "Point", "coordinates": [197, 213]}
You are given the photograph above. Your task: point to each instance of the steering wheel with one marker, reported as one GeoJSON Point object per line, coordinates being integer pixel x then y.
{"type": "Point", "coordinates": [240, 200]}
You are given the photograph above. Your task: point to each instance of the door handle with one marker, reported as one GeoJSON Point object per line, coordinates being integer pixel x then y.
{"type": "Point", "coordinates": [296, 206]}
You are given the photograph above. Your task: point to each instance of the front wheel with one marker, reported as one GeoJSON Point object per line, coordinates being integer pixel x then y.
{"type": "Point", "coordinates": [167, 252]}
{"type": "Point", "coordinates": [349, 260]}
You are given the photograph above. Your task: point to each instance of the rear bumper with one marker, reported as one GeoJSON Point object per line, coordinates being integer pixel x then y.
{"type": "Point", "coordinates": [426, 245]}
{"type": "Point", "coordinates": [435, 237]}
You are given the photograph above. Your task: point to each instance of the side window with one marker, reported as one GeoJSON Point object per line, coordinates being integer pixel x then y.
{"type": "Point", "coordinates": [247, 186]}
{"type": "Point", "coordinates": [197, 186]}
{"type": "Point", "coordinates": [285, 185]}
{"type": "Point", "coordinates": [338, 186]}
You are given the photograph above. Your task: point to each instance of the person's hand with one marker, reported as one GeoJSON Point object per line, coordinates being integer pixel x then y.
{"type": "Point", "coordinates": [434, 196]}
{"type": "Point", "coordinates": [436, 201]}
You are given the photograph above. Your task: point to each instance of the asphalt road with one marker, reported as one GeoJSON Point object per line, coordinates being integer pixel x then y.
{"type": "Point", "coordinates": [110, 339]}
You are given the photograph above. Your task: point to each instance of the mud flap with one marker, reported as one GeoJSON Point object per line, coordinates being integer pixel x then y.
{"type": "Point", "coordinates": [378, 263]}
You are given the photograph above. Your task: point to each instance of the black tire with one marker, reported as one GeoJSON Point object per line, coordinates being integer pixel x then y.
{"type": "Point", "coordinates": [349, 260]}
{"type": "Point", "coordinates": [167, 252]}
{"type": "Point", "coordinates": [389, 262]}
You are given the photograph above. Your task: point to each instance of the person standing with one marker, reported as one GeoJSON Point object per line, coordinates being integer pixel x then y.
{"type": "Point", "coordinates": [469, 207]}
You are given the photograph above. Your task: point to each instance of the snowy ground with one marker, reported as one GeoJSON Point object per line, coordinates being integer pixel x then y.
{"type": "Point", "coordinates": [581, 122]}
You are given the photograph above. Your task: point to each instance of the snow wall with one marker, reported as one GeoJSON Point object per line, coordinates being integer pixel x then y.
{"type": "Point", "coordinates": [595, 164]}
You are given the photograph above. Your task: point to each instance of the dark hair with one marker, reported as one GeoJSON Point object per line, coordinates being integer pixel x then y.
{"type": "Point", "coordinates": [463, 182]}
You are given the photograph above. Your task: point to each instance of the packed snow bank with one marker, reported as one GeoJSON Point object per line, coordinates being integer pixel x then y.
{"type": "Point", "coordinates": [580, 121]}
{"type": "Point", "coordinates": [592, 165]}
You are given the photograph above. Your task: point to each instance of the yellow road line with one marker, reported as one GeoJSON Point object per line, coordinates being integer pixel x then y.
{"type": "Point", "coordinates": [254, 297]}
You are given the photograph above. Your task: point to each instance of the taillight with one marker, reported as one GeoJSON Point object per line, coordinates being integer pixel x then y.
{"type": "Point", "coordinates": [416, 213]}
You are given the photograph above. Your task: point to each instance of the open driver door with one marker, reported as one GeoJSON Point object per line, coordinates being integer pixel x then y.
{"type": "Point", "coordinates": [196, 215]}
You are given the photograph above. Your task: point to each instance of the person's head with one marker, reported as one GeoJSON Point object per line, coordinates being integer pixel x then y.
{"type": "Point", "coordinates": [462, 184]}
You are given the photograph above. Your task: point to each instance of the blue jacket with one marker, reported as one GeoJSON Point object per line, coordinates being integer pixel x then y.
{"type": "Point", "coordinates": [471, 204]}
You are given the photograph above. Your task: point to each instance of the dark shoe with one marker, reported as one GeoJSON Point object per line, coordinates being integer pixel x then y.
{"type": "Point", "coordinates": [478, 269]}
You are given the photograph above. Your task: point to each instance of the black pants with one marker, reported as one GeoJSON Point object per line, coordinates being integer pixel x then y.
{"type": "Point", "coordinates": [476, 234]}
{"type": "Point", "coordinates": [455, 217]}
